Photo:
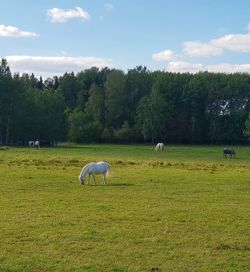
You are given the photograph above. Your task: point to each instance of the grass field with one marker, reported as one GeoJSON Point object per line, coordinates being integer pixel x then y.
{"type": "Point", "coordinates": [184, 209]}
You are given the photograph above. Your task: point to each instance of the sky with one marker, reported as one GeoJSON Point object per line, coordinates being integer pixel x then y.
{"type": "Point", "coordinates": [51, 37]}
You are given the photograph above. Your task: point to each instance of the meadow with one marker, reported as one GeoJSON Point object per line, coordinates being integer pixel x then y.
{"type": "Point", "coordinates": [184, 209]}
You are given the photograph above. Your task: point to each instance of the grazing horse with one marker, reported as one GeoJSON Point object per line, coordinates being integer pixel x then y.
{"type": "Point", "coordinates": [31, 143]}
{"type": "Point", "coordinates": [37, 144]}
{"type": "Point", "coordinates": [159, 146]}
{"type": "Point", "coordinates": [95, 169]}
{"type": "Point", "coordinates": [229, 152]}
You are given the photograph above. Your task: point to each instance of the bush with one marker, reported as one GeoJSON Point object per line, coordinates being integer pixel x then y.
{"type": "Point", "coordinates": [125, 134]}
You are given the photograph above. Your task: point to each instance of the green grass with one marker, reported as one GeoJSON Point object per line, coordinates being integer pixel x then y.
{"type": "Point", "coordinates": [184, 209]}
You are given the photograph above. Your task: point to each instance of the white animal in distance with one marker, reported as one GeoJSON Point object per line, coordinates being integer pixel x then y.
{"type": "Point", "coordinates": [31, 143]}
{"type": "Point", "coordinates": [159, 146]}
{"type": "Point", "coordinates": [37, 144]}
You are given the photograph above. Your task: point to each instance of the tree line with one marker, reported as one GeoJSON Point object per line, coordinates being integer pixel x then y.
{"type": "Point", "coordinates": [109, 105]}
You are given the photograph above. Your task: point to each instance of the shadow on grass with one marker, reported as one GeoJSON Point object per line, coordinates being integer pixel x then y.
{"type": "Point", "coordinates": [120, 184]}
{"type": "Point", "coordinates": [112, 185]}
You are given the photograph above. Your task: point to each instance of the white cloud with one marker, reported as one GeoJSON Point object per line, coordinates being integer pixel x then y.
{"type": "Point", "coordinates": [248, 28]}
{"type": "Point", "coordinates": [187, 67]}
{"type": "Point", "coordinates": [199, 49]}
{"type": "Point", "coordinates": [233, 42]}
{"type": "Point", "coordinates": [237, 43]}
{"type": "Point", "coordinates": [215, 47]}
{"type": "Point", "coordinates": [11, 31]}
{"type": "Point", "coordinates": [184, 67]}
{"type": "Point", "coordinates": [229, 68]}
{"type": "Point", "coordinates": [57, 15]}
{"type": "Point", "coordinates": [166, 55]}
{"type": "Point", "coordinates": [108, 6]}
{"type": "Point", "coordinates": [51, 66]}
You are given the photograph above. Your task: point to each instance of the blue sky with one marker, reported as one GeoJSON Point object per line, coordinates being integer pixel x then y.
{"type": "Point", "coordinates": [50, 37]}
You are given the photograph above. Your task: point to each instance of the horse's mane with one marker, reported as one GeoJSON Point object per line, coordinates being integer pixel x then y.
{"type": "Point", "coordinates": [85, 167]}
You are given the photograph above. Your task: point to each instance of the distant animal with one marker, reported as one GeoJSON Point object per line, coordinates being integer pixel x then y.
{"type": "Point", "coordinates": [37, 144]}
{"type": "Point", "coordinates": [229, 152]}
{"type": "Point", "coordinates": [31, 143]}
{"type": "Point", "coordinates": [159, 146]}
{"type": "Point", "coordinates": [95, 168]}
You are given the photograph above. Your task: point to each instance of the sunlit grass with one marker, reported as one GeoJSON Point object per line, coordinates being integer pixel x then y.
{"type": "Point", "coordinates": [184, 209]}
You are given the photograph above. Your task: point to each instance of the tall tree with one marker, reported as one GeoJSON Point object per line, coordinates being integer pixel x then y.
{"type": "Point", "coordinates": [95, 106]}
{"type": "Point", "coordinates": [144, 119]}
{"type": "Point", "coordinates": [7, 102]}
{"type": "Point", "coordinates": [49, 115]}
{"type": "Point", "coordinates": [69, 89]}
{"type": "Point", "coordinates": [138, 84]}
{"type": "Point", "coordinates": [246, 130]}
{"type": "Point", "coordinates": [116, 99]}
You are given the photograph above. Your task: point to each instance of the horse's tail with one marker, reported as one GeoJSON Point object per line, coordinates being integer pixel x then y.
{"type": "Point", "coordinates": [109, 172]}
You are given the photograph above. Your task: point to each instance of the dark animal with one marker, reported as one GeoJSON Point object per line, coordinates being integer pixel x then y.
{"type": "Point", "coordinates": [229, 152]}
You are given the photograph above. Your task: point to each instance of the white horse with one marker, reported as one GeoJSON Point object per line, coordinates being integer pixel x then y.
{"type": "Point", "coordinates": [31, 143]}
{"type": "Point", "coordinates": [159, 146]}
{"type": "Point", "coordinates": [95, 169]}
{"type": "Point", "coordinates": [37, 144]}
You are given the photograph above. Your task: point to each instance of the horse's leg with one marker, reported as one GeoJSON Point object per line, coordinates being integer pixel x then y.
{"type": "Point", "coordinates": [88, 179]}
{"type": "Point", "coordinates": [104, 179]}
{"type": "Point", "coordinates": [94, 178]}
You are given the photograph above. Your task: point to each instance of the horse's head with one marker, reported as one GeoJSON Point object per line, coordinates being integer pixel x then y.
{"type": "Point", "coordinates": [81, 178]}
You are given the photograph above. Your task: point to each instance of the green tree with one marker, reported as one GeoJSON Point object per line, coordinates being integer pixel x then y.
{"type": "Point", "coordinates": [85, 81]}
{"type": "Point", "coordinates": [144, 119]}
{"type": "Point", "coordinates": [116, 99]}
{"type": "Point", "coordinates": [95, 106]}
{"type": "Point", "coordinates": [138, 84]}
{"type": "Point", "coordinates": [82, 128]}
{"type": "Point", "coordinates": [69, 89]}
{"type": "Point", "coordinates": [196, 96]}
{"type": "Point", "coordinates": [125, 133]}
{"type": "Point", "coordinates": [50, 120]}
{"type": "Point", "coordinates": [8, 99]}
{"type": "Point", "coordinates": [107, 135]}
{"type": "Point", "coordinates": [246, 130]}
